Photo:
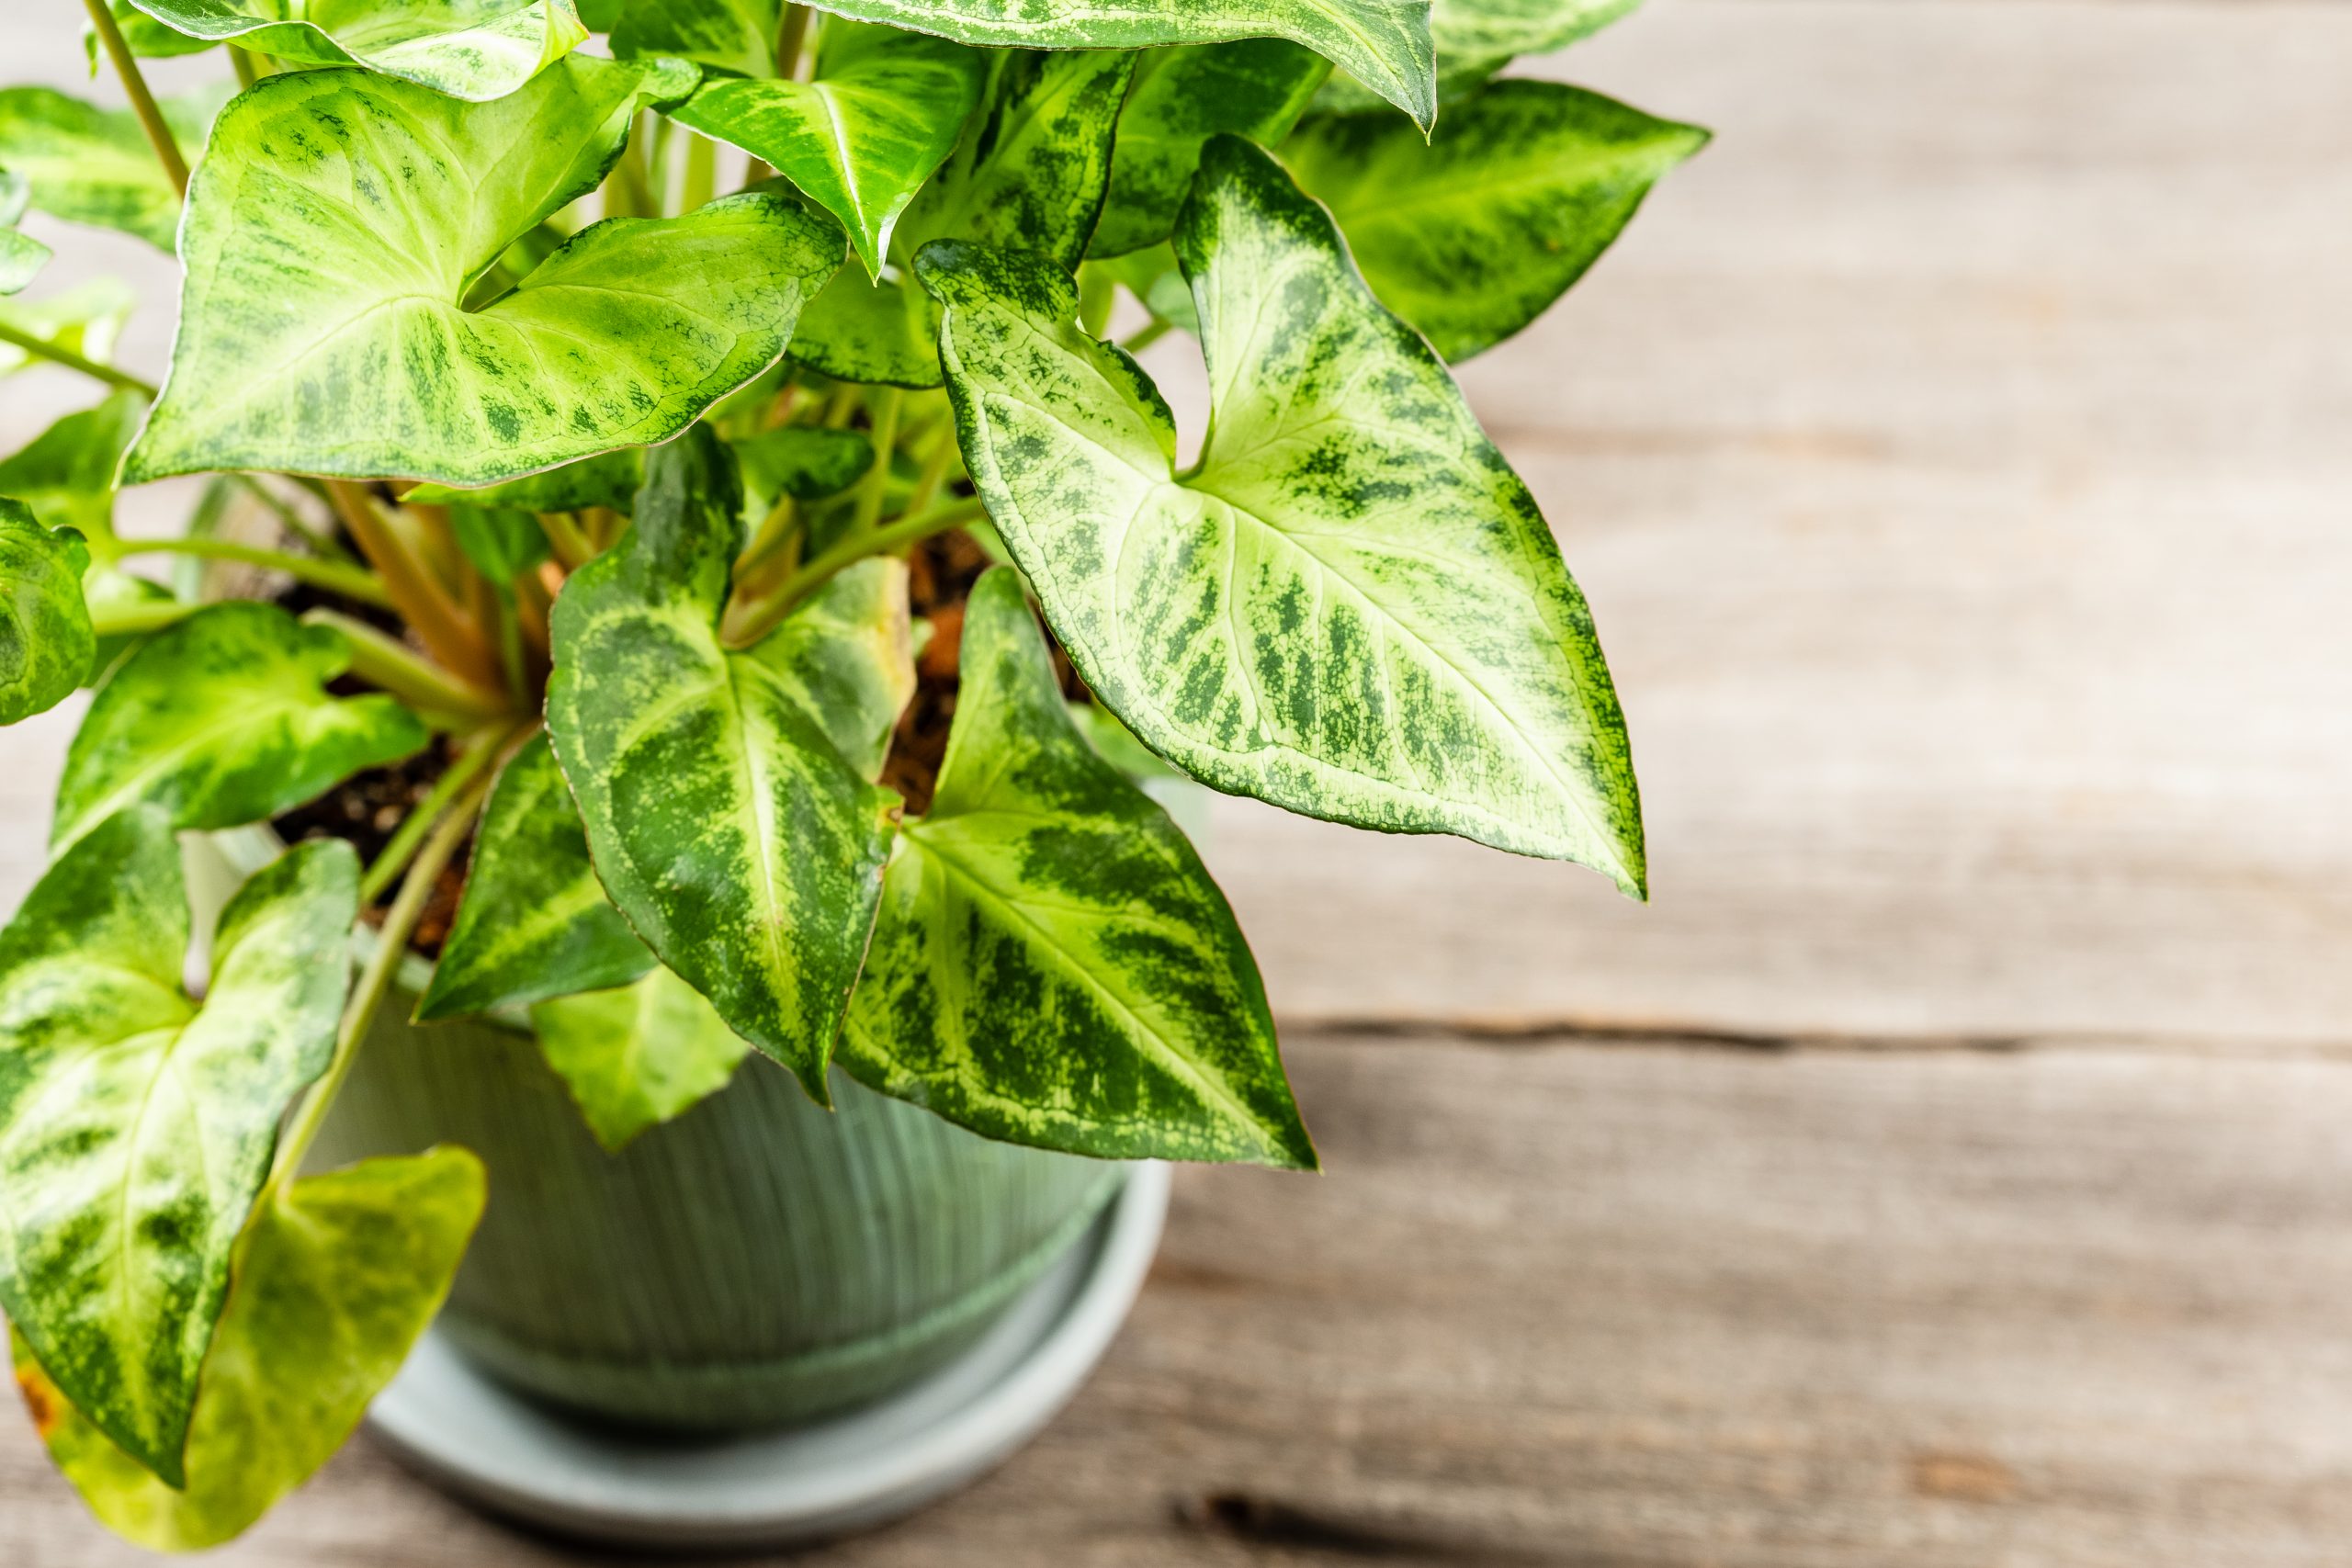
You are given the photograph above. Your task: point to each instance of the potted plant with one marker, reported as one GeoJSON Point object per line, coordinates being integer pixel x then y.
{"type": "Point", "coordinates": [647, 674]}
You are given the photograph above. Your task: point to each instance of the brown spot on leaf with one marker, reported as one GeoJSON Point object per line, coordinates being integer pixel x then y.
{"type": "Point", "coordinates": [40, 1400]}
{"type": "Point", "coordinates": [1963, 1477]}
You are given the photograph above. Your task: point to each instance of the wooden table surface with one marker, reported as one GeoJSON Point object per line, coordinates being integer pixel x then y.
{"type": "Point", "coordinates": [1954, 1165]}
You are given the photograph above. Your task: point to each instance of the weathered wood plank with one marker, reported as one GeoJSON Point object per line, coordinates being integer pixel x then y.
{"type": "Point", "coordinates": [1651, 1305]}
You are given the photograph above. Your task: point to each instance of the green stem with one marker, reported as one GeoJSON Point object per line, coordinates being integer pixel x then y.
{"type": "Point", "coordinates": [934, 468]}
{"type": "Point", "coordinates": [1144, 336]}
{"type": "Point", "coordinates": [142, 102]}
{"type": "Point", "coordinates": [791, 32]}
{"type": "Point", "coordinates": [375, 984]}
{"type": "Point", "coordinates": [878, 478]}
{"type": "Point", "coordinates": [475, 753]}
{"type": "Point", "coordinates": [700, 181]}
{"type": "Point", "coordinates": [759, 620]}
{"type": "Point", "coordinates": [384, 663]}
{"type": "Point", "coordinates": [243, 60]}
{"type": "Point", "coordinates": [1096, 296]}
{"type": "Point", "coordinates": [317, 538]}
{"type": "Point", "coordinates": [351, 581]}
{"type": "Point", "coordinates": [420, 599]}
{"type": "Point", "coordinates": [139, 617]}
{"type": "Point", "coordinates": [567, 539]}
{"type": "Point", "coordinates": [41, 348]}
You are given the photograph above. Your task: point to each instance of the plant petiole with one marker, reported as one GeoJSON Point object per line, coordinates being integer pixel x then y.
{"type": "Point", "coordinates": [142, 102]}
{"type": "Point", "coordinates": [385, 664]}
{"type": "Point", "coordinates": [475, 753]}
{"type": "Point", "coordinates": [41, 348]}
{"type": "Point", "coordinates": [335, 577]}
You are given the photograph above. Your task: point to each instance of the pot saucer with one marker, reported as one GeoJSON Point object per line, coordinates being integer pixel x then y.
{"type": "Point", "coordinates": [849, 1472]}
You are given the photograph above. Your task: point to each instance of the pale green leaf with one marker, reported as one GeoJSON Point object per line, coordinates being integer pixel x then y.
{"type": "Point", "coordinates": [136, 1128]}
{"type": "Point", "coordinates": [84, 320]}
{"type": "Point", "coordinates": [1382, 43]}
{"type": "Point", "coordinates": [224, 718]}
{"type": "Point", "coordinates": [724, 804]}
{"type": "Point", "coordinates": [860, 137]}
{"type": "Point", "coordinates": [534, 920]}
{"type": "Point", "coordinates": [92, 165]}
{"type": "Point", "coordinates": [1253, 87]}
{"type": "Point", "coordinates": [1029, 172]}
{"type": "Point", "coordinates": [469, 49]}
{"type": "Point", "coordinates": [638, 1054]}
{"type": "Point", "coordinates": [608, 479]}
{"type": "Point", "coordinates": [1475, 39]}
{"type": "Point", "coordinates": [1351, 607]}
{"type": "Point", "coordinates": [336, 1278]}
{"type": "Point", "coordinates": [1052, 965]}
{"type": "Point", "coordinates": [66, 473]}
{"type": "Point", "coordinates": [339, 219]}
{"type": "Point", "coordinates": [148, 39]}
{"type": "Point", "coordinates": [21, 255]}
{"type": "Point", "coordinates": [46, 644]}
{"type": "Point", "coordinates": [1473, 234]}
{"type": "Point", "coordinates": [734, 36]}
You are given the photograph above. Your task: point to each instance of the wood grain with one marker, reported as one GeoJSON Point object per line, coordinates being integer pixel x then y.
{"type": "Point", "coordinates": [1658, 1305]}
{"type": "Point", "coordinates": [1955, 456]}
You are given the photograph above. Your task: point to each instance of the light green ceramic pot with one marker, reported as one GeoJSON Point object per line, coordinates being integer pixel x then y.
{"type": "Point", "coordinates": [758, 1261]}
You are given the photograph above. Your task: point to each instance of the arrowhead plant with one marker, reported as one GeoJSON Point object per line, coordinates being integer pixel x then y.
{"type": "Point", "coordinates": [603, 411]}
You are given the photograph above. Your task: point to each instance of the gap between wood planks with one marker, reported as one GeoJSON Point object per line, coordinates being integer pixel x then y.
{"type": "Point", "coordinates": [1612, 1034]}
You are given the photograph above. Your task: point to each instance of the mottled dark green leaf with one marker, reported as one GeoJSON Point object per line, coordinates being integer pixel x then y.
{"type": "Point", "coordinates": [336, 1276]}
{"type": "Point", "coordinates": [726, 792]}
{"type": "Point", "coordinates": [1350, 607]}
{"type": "Point", "coordinates": [637, 1054]}
{"type": "Point", "coordinates": [1254, 87]}
{"type": "Point", "coordinates": [806, 462]}
{"type": "Point", "coordinates": [861, 136]}
{"type": "Point", "coordinates": [608, 479]}
{"type": "Point", "coordinates": [136, 1128]}
{"type": "Point", "coordinates": [223, 718]}
{"type": "Point", "coordinates": [469, 49]}
{"type": "Point", "coordinates": [1472, 235]}
{"type": "Point", "coordinates": [734, 36]}
{"type": "Point", "coordinates": [1029, 172]}
{"type": "Point", "coordinates": [1052, 965]}
{"type": "Point", "coordinates": [1382, 43]}
{"type": "Point", "coordinates": [92, 165]}
{"type": "Point", "coordinates": [84, 320]}
{"type": "Point", "coordinates": [320, 330]}
{"type": "Point", "coordinates": [534, 920]}
{"type": "Point", "coordinates": [67, 474]}
{"type": "Point", "coordinates": [46, 644]}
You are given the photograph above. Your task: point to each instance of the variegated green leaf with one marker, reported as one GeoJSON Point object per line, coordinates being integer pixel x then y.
{"type": "Point", "coordinates": [862, 134]}
{"type": "Point", "coordinates": [67, 474]}
{"type": "Point", "coordinates": [1254, 87]}
{"type": "Point", "coordinates": [136, 1128]}
{"type": "Point", "coordinates": [468, 48]}
{"type": "Point", "coordinates": [1473, 234]}
{"type": "Point", "coordinates": [46, 643]}
{"type": "Point", "coordinates": [1029, 172]}
{"type": "Point", "coordinates": [608, 479]}
{"type": "Point", "coordinates": [336, 1276]}
{"type": "Point", "coordinates": [148, 39]}
{"type": "Point", "coordinates": [806, 462]}
{"type": "Point", "coordinates": [534, 920]}
{"type": "Point", "coordinates": [1382, 43]}
{"type": "Point", "coordinates": [734, 36]}
{"type": "Point", "coordinates": [21, 255]}
{"type": "Point", "coordinates": [726, 791]}
{"type": "Point", "coordinates": [339, 219]}
{"type": "Point", "coordinates": [84, 320]}
{"type": "Point", "coordinates": [92, 165]}
{"type": "Point", "coordinates": [638, 1054]}
{"type": "Point", "coordinates": [1052, 965]}
{"type": "Point", "coordinates": [222, 720]}
{"type": "Point", "coordinates": [1350, 605]}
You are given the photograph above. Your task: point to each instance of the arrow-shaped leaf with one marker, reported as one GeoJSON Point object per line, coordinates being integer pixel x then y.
{"type": "Point", "coordinates": [339, 219]}
{"type": "Point", "coordinates": [862, 134]}
{"type": "Point", "coordinates": [136, 1127]}
{"type": "Point", "coordinates": [224, 718]}
{"type": "Point", "coordinates": [1052, 965]}
{"type": "Point", "coordinates": [335, 1279]}
{"type": "Point", "coordinates": [726, 792]}
{"type": "Point", "coordinates": [1473, 234]}
{"type": "Point", "coordinates": [468, 48]}
{"type": "Point", "coordinates": [1350, 607]}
